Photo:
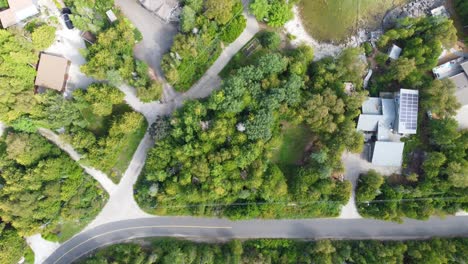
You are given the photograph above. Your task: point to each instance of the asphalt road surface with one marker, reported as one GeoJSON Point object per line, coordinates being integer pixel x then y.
{"type": "Point", "coordinates": [213, 229]}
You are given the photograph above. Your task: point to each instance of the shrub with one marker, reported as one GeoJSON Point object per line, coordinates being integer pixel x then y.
{"type": "Point", "coordinates": [270, 40]}
{"type": "Point", "coordinates": [43, 37]}
{"type": "Point", "coordinates": [233, 30]}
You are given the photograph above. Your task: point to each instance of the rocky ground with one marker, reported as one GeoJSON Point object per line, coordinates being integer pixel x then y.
{"type": "Point", "coordinates": [415, 8]}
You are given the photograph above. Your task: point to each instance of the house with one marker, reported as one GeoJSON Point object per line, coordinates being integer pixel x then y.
{"type": "Point", "coordinates": [166, 10]}
{"type": "Point", "coordinates": [111, 16]}
{"type": "Point", "coordinates": [387, 118]}
{"type": "Point", "coordinates": [457, 71]}
{"type": "Point", "coordinates": [52, 72]}
{"type": "Point", "coordinates": [18, 11]}
{"type": "Point", "coordinates": [394, 52]}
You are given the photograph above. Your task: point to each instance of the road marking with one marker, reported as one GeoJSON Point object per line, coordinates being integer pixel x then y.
{"type": "Point", "coordinates": [141, 227]}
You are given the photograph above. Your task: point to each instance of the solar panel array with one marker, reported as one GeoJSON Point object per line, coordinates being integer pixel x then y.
{"type": "Point", "coordinates": [409, 110]}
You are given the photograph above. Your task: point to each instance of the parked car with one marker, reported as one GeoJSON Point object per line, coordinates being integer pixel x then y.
{"type": "Point", "coordinates": [66, 18]}
{"type": "Point", "coordinates": [67, 21]}
{"type": "Point", "coordinates": [66, 10]}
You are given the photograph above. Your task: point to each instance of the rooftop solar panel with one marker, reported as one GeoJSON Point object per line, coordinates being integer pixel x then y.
{"type": "Point", "coordinates": [408, 112]}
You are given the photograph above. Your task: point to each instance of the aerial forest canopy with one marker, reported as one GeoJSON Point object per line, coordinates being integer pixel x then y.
{"type": "Point", "coordinates": [44, 190]}
{"type": "Point", "coordinates": [215, 156]}
{"type": "Point", "coordinates": [285, 251]}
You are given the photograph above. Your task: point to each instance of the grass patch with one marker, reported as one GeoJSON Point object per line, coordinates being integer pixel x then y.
{"type": "Point", "coordinates": [128, 150]}
{"type": "Point", "coordinates": [291, 152]}
{"type": "Point", "coordinates": [245, 56]}
{"type": "Point", "coordinates": [96, 124]}
{"type": "Point", "coordinates": [336, 20]}
{"type": "Point", "coordinates": [69, 229]}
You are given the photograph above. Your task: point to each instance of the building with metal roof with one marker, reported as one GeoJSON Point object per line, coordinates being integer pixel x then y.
{"type": "Point", "coordinates": [18, 10]}
{"type": "Point", "coordinates": [388, 153]}
{"type": "Point", "coordinates": [394, 52]}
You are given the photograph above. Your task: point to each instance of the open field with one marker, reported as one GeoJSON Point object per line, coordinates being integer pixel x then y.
{"type": "Point", "coordinates": [336, 20]}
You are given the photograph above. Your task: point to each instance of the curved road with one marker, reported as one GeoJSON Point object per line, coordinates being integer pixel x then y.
{"type": "Point", "coordinates": [214, 229]}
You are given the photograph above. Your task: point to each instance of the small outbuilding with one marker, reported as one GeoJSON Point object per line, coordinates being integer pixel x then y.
{"type": "Point", "coordinates": [394, 52]}
{"type": "Point", "coordinates": [52, 72]}
{"type": "Point", "coordinates": [388, 153]}
{"type": "Point", "coordinates": [111, 16]}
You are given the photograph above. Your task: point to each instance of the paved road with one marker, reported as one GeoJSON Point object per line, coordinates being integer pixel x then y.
{"type": "Point", "coordinates": [220, 229]}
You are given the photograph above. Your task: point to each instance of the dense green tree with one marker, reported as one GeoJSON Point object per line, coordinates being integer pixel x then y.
{"type": "Point", "coordinates": [27, 149]}
{"type": "Point", "coordinates": [219, 10]}
{"type": "Point", "coordinates": [368, 186]}
{"type": "Point", "coordinates": [12, 246]}
{"type": "Point", "coordinates": [439, 98]}
{"type": "Point", "coordinates": [43, 37]}
{"type": "Point", "coordinates": [187, 19]}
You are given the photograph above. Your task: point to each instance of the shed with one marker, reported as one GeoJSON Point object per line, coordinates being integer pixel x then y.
{"type": "Point", "coordinates": [461, 82]}
{"type": "Point", "coordinates": [388, 153]}
{"type": "Point", "coordinates": [52, 72]}
{"type": "Point", "coordinates": [111, 16]}
{"type": "Point", "coordinates": [394, 52]}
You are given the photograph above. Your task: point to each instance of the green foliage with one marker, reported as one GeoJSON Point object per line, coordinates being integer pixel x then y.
{"type": "Point", "coordinates": [17, 78]}
{"type": "Point", "coordinates": [270, 40]}
{"type": "Point", "coordinates": [368, 186]}
{"type": "Point", "coordinates": [274, 12]}
{"type": "Point", "coordinates": [187, 19]}
{"type": "Point", "coordinates": [233, 30]}
{"type": "Point", "coordinates": [100, 98]}
{"type": "Point", "coordinates": [368, 49]}
{"type": "Point", "coordinates": [452, 250]}
{"type": "Point", "coordinates": [218, 150]}
{"type": "Point", "coordinates": [27, 149]}
{"type": "Point", "coordinates": [112, 53]}
{"type": "Point", "coordinates": [90, 15]}
{"type": "Point", "coordinates": [12, 246]}
{"type": "Point", "coordinates": [192, 54]}
{"type": "Point", "coordinates": [43, 37]}
{"type": "Point", "coordinates": [439, 98]}
{"type": "Point", "coordinates": [461, 7]}
{"type": "Point", "coordinates": [421, 39]}
{"type": "Point", "coordinates": [53, 187]}
{"type": "Point", "coordinates": [220, 10]}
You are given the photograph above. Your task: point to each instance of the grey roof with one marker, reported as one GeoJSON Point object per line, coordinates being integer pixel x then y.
{"type": "Point", "coordinates": [377, 114]}
{"type": "Point", "coordinates": [394, 52]}
{"type": "Point", "coordinates": [461, 82]}
{"type": "Point", "coordinates": [372, 106]}
{"type": "Point", "coordinates": [388, 153]}
{"type": "Point", "coordinates": [368, 123]}
{"type": "Point", "coordinates": [464, 66]}
{"type": "Point", "coordinates": [408, 111]}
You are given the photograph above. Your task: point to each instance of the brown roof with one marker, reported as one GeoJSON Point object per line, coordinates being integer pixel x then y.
{"type": "Point", "coordinates": [52, 72]}
{"type": "Point", "coordinates": [18, 10]}
{"type": "Point", "coordinates": [8, 18]}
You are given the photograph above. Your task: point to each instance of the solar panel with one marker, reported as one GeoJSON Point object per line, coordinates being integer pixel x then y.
{"type": "Point", "coordinates": [408, 115]}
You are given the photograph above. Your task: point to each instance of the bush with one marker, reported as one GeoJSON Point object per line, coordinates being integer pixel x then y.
{"type": "Point", "coordinates": [367, 48]}
{"type": "Point", "coordinates": [152, 93]}
{"type": "Point", "coordinates": [233, 30]}
{"type": "Point", "coordinates": [43, 37]}
{"type": "Point", "coordinates": [270, 40]}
